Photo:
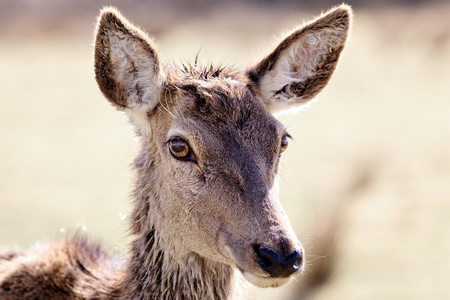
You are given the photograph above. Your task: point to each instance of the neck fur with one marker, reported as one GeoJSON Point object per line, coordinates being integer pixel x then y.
{"type": "Point", "coordinates": [154, 273]}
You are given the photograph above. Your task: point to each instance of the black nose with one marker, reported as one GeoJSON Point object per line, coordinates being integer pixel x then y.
{"type": "Point", "coordinates": [275, 264]}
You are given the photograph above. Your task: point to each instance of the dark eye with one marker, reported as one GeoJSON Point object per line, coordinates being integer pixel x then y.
{"type": "Point", "coordinates": [284, 143]}
{"type": "Point", "coordinates": [179, 148]}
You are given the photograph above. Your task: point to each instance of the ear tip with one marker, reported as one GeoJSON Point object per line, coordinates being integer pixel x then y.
{"type": "Point", "coordinates": [109, 10]}
{"type": "Point", "coordinates": [339, 16]}
{"type": "Point", "coordinates": [345, 7]}
{"type": "Point", "coordinates": [343, 11]}
{"type": "Point", "coordinates": [108, 15]}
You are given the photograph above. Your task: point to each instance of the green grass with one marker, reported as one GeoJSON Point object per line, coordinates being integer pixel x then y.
{"type": "Point", "coordinates": [375, 150]}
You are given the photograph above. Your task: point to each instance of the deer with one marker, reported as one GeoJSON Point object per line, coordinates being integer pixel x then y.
{"type": "Point", "coordinates": [206, 216]}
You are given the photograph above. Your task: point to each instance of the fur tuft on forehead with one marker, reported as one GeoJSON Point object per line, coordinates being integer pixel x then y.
{"type": "Point", "coordinates": [196, 71]}
{"type": "Point", "coordinates": [207, 89]}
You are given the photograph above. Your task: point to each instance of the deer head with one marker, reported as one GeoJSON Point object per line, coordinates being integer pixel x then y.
{"type": "Point", "coordinates": [211, 148]}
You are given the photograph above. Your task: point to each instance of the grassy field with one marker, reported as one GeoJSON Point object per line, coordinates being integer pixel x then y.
{"type": "Point", "coordinates": [368, 175]}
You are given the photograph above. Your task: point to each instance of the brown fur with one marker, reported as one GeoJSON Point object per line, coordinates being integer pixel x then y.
{"type": "Point", "coordinates": [202, 221]}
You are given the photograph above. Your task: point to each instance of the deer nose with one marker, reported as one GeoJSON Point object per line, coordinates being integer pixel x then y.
{"type": "Point", "coordinates": [277, 265]}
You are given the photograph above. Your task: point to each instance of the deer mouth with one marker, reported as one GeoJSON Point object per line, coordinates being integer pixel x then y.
{"type": "Point", "coordinates": [264, 264]}
{"type": "Point", "coordinates": [277, 271]}
{"type": "Point", "coordinates": [262, 270]}
{"type": "Point", "coordinates": [265, 282]}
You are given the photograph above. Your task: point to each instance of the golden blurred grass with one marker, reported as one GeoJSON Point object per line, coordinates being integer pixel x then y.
{"type": "Point", "coordinates": [371, 158]}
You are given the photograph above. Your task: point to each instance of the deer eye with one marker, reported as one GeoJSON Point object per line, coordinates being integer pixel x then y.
{"type": "Point", "coordinates": [284, 143]}
{"type": "Point", "coordinates": [179, 149]}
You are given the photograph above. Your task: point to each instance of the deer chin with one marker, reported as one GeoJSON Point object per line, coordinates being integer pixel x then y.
{"type": "Point", "coordinates": [265, 282]}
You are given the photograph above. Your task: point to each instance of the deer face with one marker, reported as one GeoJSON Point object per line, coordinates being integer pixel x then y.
{"type": "Point", "coordinates": [214, 142]}
{"type": "Point", "coordinates": [221, 150]}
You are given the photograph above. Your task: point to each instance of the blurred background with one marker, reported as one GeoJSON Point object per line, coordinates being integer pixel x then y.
{"type": "Point", "coordinates": [366, 183]}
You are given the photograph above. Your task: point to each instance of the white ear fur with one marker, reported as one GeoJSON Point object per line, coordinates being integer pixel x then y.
{"type": "Point", "coordinates": [298, 69]}
{"type": "Point", "coordinates": [127, 68]}
{"type": "Point", "coordinates": [298, 63]}
{"type": "Point", "coordinates": [136, 71]}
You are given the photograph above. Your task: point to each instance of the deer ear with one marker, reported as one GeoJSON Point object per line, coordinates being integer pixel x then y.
{"type": "Point", "coordinates": [127, 66]}
{"type": "Point", "coordinates": [303, 63]}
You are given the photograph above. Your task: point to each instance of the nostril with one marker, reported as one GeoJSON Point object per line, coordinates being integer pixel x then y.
{"type": "Point", "coordinates": [294, 257]}
{"type": "Point", "coordinates": [267, 257]}
{"type": "Point", "coordinates": [276, 265]}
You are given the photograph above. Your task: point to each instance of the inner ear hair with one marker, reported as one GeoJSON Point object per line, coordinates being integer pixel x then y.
{"type": "Point", "coordinates": [303, 63]}
{"type": "Point", "coordinates": [127, 66]}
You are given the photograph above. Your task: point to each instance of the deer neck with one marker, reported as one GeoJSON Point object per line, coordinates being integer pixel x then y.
{"type": "Point", "coordinates": [155, 269]}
